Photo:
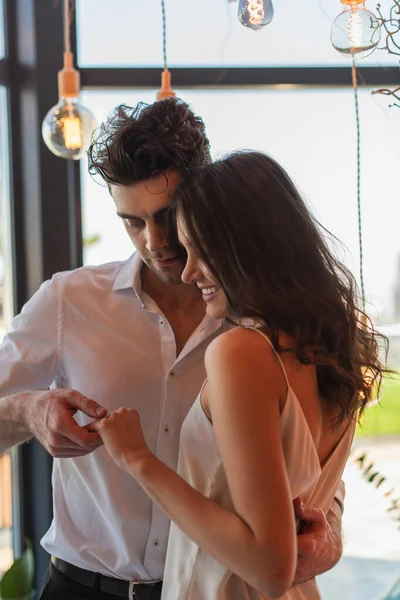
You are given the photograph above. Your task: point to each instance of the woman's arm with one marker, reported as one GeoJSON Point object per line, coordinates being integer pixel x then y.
{"type": "Point", "coordinates": [244, 388]}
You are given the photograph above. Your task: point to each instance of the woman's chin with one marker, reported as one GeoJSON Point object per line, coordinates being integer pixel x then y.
{"type": "Point", "coordinates": [216, 312]}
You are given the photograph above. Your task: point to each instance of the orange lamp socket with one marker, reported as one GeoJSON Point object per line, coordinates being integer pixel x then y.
{"type": "Point", "coordinates": [166, 91]}
{"type": "Point", "coordinates": [68, 79]}
{"type": "Point", "coordinates": [352, 2]}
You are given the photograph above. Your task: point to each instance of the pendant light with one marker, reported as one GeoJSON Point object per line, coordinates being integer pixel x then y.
{"type": "Point", "coordinates": [356, 32]}
{"type": "Point", "coordinates": [67, 128]}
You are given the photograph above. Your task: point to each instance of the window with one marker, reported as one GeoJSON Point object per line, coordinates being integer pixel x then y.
{"type": "Point", "coordinates": [5, 513]}
{"type": "Point", "coordinates": [2, 40]}
{"type": "Point", "coordinates": [312, 133]}
{"type": "Point", "coordinates": [5, 317]}
{"type": "Point", "coordinates": [6, 297]}
{"type": "Point", "coordinates": [371, 559]}
{"type": "Point", "coordinates": [206, 33]}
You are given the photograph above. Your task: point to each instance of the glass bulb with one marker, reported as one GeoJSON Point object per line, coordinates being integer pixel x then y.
{"type": "Point", "coordinates": [355, 32]}
{"type": "Point", "coordinates": [67, 129]}
{"type": "Point", "coordinates": [255, 13]}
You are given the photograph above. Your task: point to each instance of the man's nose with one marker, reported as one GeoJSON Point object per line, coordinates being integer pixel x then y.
{"type": "Point", "coordinates": [156, 237]}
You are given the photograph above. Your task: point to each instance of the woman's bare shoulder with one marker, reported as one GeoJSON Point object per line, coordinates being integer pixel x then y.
{"type": "Point", "coordinates": [239, 339]}
{"type": "Point", "coordinates": [239, 351]}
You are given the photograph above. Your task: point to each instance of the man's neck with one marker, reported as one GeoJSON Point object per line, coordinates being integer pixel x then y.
{"type": "Point", "coordinates": [181, 304]}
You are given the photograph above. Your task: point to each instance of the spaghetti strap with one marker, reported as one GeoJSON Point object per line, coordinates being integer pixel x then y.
{"type": "Point", "coordinates": [202, 387]}
{"type": "Point", "coordinates": [275, 352]}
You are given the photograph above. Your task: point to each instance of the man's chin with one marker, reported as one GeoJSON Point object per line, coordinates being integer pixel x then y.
{"type": "Point", "coordinates": [172, 277]}
{"type": "Point", "coordinates": [168, 274]}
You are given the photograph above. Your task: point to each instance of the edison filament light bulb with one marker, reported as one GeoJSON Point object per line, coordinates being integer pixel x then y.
{"type": "Point", "coordinates": [356, 32]}
{"type": "Point", "coordinates": [255, 13]}
{"type": "Point", "coordinates": [67, 128]}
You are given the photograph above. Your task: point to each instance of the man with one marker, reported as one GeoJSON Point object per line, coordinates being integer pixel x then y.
{"type": "Point", "coordinates": [122, 334]}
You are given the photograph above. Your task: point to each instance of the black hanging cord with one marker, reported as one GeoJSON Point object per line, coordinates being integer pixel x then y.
{"type": "Point", "coordinates": [360, 232]}
{"type": "Point", "coordinates": [164, 28]}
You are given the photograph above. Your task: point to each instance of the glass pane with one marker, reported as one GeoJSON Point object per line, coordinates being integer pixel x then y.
{"type": "Point", "coordinates": [312, 133]}
{"type": "Point", "coordinates": [370, 565]}
{"type": "Point", "coordinates": [6, 298]}
{"type": "Point", "coordinates": [315, 139]}
{"type": "Point", "coordinates": [5, 513]}
{"type": "Point", "coordinates": [2, 32]}
{"type": "Point", "coordinates": [207, 33]}
{"type": "Point", "coordinates": [5, 320]}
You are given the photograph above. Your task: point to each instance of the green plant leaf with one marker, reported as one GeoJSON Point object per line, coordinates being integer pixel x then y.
{"type": "Point", "coordinates": [373, 476]}
{"type": "Point", "coordinates": [91, 240]}
{"type": "Point", "coordinates": [361, 459]}
{"type": "Point", "coordinates": [17, 582]}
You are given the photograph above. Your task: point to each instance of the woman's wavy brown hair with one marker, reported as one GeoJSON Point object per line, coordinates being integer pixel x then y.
{"type": "Point", "coordinates": [252, 229]}
{"type": "Point", "coordinates": [135, 144]}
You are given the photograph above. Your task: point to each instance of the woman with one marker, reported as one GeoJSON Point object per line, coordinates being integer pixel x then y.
{"type": "Point", "coordinates": [275, 418]}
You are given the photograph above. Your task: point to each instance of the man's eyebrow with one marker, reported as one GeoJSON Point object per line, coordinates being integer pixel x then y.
{"type": "Point", "coordinates": [157, 213]}
{"type": "Point", "coordinates": [126, 216]}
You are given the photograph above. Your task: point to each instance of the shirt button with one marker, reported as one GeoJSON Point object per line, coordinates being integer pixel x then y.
{"type": "Point", "coordinates": [172, 373]}
{"type": "Point", "coordinates": [166, 429]}
{"type": "Point", "coordinates": [161, 322]}
{"type": "Point", "coordinates": [155, 543]}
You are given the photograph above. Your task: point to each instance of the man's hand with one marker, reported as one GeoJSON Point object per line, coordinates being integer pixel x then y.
{"type": "Point", "coordinates": [319, 543]}
{"type": "Point", "coordinates": [49, 416]}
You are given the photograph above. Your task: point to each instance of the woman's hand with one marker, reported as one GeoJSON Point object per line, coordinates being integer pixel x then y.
{"type": "Point", "coordinates": [123, 438]}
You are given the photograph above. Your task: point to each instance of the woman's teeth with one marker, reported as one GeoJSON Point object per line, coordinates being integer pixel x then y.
{"type": "Point", "coordinates": [208, 291]}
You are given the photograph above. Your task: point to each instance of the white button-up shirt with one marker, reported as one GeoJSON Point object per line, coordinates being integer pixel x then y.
{"type": "Point", "coordinates": [95, 331]}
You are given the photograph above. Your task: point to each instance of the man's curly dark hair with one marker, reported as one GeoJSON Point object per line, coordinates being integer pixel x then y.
{"type": "Point", "coordinates": [134, 144]}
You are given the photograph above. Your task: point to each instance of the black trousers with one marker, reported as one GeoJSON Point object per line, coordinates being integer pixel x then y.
{"type": "Point", "coordinates": [59, 587]}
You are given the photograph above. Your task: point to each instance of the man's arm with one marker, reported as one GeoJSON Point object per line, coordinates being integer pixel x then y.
{"type": "Point", "coordinates": [49, 416]}
{"type": "Point", "coordinates": [29, 362]}
{"type": "Point", "coordinates": [13, 431]}
{"type": "Point", "coordinates": [319, 544]}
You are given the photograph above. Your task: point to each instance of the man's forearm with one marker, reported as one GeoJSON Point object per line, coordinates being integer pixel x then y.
{"type": "Point", "coordinates": [319, 546]}
{"type": "Point", "coordinates": [335, 523]}
{"type": "Point", "coordinates": [13, 427]}
{"type": "Point", "coordinates": [334, 518]}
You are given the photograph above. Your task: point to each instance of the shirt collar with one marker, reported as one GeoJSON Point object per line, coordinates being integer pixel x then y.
{"type": "Point", "coordinates": [128, 275]}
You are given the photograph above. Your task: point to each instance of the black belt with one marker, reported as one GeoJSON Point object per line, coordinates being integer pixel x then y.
{"type": "Point", "coordinates": [148, 590]}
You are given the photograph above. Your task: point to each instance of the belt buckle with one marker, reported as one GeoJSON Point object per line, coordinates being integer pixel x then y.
{"type": "Point", "coordinates": [131, 591]}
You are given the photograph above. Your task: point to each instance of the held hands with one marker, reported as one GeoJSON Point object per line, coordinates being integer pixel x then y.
{"type": "Point", "coordinates": [318, 546]}
{"type": "Point", "coordinates": [123, 438]}
{"type": "Point", "coordinates": [50, 418]}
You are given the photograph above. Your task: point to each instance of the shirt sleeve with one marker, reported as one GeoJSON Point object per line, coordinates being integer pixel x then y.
{"type": "Point", "coordinates": [30, 352]}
